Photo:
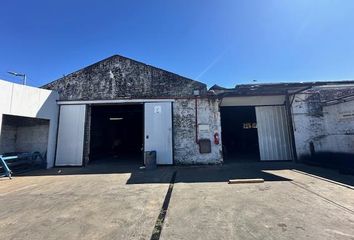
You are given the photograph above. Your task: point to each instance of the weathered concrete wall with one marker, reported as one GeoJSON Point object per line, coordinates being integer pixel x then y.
{"type": "Point", "coordinates": [119, 77]}
{"type": "Point", "coordinates": [329, 128]}
{"type": "Point", "coordinates": [23, 134]}
{"type": "Point", "coordinates": [308, 124]}
{"type": "Point", "coordinates": [339, 125]}
{"type": "Point", "coordinates": [25, 101]}
{"type": "Point", "coordinates": [8, 138]}
{"type": "Point", "coordinates": [186, 149]}
{"type": "Point", "coordinates": [32, 138]}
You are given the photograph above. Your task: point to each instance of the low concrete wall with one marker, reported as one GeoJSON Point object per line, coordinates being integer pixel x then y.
{"type": "Point", "coordinates": [25, 101]}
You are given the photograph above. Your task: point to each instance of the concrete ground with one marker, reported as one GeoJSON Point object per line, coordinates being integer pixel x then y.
{"type": "Point", "coordinates": [121, 201]}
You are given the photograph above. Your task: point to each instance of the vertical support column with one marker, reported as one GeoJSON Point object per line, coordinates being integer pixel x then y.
{"type": "Point", "coordinates": [290, 124]}
{"type": "Point", "coordinates": [87, 135]}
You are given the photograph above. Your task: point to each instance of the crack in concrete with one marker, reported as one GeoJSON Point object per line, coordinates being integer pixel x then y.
{"type": "Point", "coordinates": [156, 233]}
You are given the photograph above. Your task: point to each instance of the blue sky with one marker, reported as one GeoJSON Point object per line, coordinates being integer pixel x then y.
{"type": "Point", "coordinates": [224, 42]}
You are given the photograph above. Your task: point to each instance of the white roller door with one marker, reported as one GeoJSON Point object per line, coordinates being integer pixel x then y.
{"type": "Point", "coordinates": [158, 131]}
{"type": "Point", "coordinates": [71, 135]}
{"type": "Point", "coordinates": [273, 133]}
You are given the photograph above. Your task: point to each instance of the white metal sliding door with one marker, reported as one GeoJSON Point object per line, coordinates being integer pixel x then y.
{"type": "Point", "coordinates": [273, 133]}
{"type": "Point", "coordinates": [71, 135]}
{"type": "Point", "coordinates": [158, 130]}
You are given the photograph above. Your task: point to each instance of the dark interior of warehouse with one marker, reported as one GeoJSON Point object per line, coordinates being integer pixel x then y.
{"type": "Point", "coordinates": [239, 133]}
{"type": "Point", "coordinates": [117, 133]}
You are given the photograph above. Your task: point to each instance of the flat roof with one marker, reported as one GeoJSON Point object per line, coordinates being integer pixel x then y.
{"type": "Point", "coordinates": [257, 89]}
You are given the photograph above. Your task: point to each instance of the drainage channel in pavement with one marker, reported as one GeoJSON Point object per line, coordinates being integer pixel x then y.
{"type": "Point", "coordinates": [156, 233]}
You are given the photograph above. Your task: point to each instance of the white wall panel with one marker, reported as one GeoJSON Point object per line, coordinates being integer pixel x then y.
{"type": "Point", "coordinates": [27, 101]}
{"type": "Point", "coordinates": [273, 133]}
{"type": "Point", "coordinates": [158, 131]}
{"type": "Point", "coordinates": [253, 101]}
{"type": "Point", "coordinates": [71, 135]}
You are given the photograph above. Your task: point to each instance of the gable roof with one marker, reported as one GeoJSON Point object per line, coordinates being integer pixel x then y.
{"type": "Point", "coordinates": [116, 56]}
{"type": "Point", "coordinates": [121, 77]}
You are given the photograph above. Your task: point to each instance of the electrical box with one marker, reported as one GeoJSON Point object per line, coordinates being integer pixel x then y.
{"type": "Point", "coordinates": [203, 131]}
{"type": "Point", "coordinates": [204, 146]}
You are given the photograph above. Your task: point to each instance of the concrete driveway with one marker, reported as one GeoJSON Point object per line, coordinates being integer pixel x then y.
{"type": "Point", "coordinates": [121, 201]}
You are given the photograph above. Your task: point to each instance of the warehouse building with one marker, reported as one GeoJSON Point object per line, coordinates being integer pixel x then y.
{"type": "Point", "coordinates": [118, 108]}
{"type": "Point", "coordinates": [309, 122]}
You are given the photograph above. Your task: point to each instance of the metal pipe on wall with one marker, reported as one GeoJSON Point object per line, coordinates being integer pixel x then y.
{"type": "Point", "coordinates": [196, 119]}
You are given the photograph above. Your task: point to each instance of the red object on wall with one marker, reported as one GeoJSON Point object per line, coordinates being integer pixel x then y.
{"type": "Point", "coordinates": [216, 138]}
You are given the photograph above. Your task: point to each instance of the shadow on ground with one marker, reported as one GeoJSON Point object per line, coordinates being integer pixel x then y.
{"type": "Point", "coordinates": [326, 173]}
{"type": "Point", "coordinates": [195, 174]}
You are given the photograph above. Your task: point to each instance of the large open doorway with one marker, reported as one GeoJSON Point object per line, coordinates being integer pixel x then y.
{"type": "Point", "coordinates": [26, 139]}
{"type": "Point", "coordinates": [24, 134]}
{"type": "Point", "coordinates": [117, 133]}
{"type": "Point", "coordinates": [239, 133]}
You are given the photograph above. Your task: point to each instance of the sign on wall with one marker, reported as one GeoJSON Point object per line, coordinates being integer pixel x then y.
{"type": "Point", "coordinates": [249, 125]}
{"type": "Point", "coordinates": [157, 109]}
{"type": "Point", "coordinates": [348, 115]}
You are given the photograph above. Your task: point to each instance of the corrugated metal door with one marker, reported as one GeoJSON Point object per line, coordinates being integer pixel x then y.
{"type": "Point", "coordinates": [273, 133]}
{"type": "Point", "coordinates": [158, 131]}
{"type": "Point", "coordinates": [71, 135]}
